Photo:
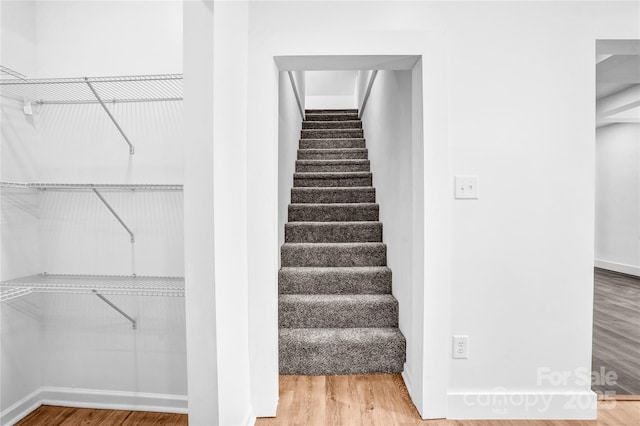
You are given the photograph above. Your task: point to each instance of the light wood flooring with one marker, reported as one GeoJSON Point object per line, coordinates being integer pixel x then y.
{"type": "Point", "coordinates": [47, 415]}
{"type": "Point", "coordinates": [616, 330]}
{"type": "Point", "coordinates": [373, 399]}
{"type": "Point", "coordinates": [382, 399]}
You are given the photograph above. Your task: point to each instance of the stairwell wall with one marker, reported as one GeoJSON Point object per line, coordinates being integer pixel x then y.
{"type": "Point", "coordinates": [387, 129]}
{"type": "Point", "coordinates": [289, 126]}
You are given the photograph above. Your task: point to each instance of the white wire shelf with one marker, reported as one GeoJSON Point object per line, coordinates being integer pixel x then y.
{"type": "Point", "coordinates": [91, 186]}
{"type": "Point", "coordinates": [78, 90]}
{"type": "Point", "coordinates": [8, 293]}
{"type": "Point", "coordinates": [90, 284]}
{"type": "Point", "coordinates": [92, 90]}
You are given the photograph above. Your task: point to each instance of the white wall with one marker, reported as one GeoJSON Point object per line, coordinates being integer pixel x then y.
{"type": "Point", "coordinates": [362, 81]}
{"type": "Point", "coordinates": [387, 129]}
{"type": "Point", "coordinates": [523, 253]}
{"type": "Point", "coordinates": [231, 210]}
{"type": "Point", "coordinates": [289, 126]}
{"type": "Point", "coordinates": [21, 339]}
{"type": "Point", "coordinates": [200, 295]}
{"type": "Point", "coordinates": [78, 143]}
{"type": "Point", "coordinates": [330, 89]}
{"type": "Point", "coordinates": [618, 198]}
{"type": "Point", "coordinates": [97, 38]}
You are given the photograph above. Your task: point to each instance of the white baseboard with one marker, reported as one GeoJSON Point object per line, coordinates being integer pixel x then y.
{"type": "Point", "coordinates": [408, 382]}
{"type": "Point", "coordinates": [92, 398]}
{"type": "Point", "coordinates": [534, 406]}
{"type": "Point", "coordinates": [618, 267]}
{"type": "Point", "coordinates": [249, 421]}
{"type": "Point", "coordinates": [20, 409]}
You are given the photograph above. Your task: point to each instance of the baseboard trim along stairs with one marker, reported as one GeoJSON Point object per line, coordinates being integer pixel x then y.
{"type": "Point", "coordinates": [336, 311]}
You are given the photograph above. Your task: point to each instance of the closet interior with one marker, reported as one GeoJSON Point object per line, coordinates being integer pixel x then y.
{"type": "Point", "coordinates": [92, 260]}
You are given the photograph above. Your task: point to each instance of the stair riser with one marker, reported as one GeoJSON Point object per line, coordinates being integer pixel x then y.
{"type": "Point", "coordinates": [332, 233]}
{"type": "Point", "coordinates": [331, 117]}
{"type": "Point", "coordinates": [333, 195]}
{"type": "Point", "coordinates": [353, 167]}
{"type": "Point", "coordinates": [362, 313]}
{"type": "Point", "coordinates": [332, 143]}
{"type": "Point", "coordinates": [336, 255]}
{"type": "Point", "coordinates": [333, 154]}
{"type": "Point", "coordinates": [331, 133]}
{"type": "Point", "coordinates": [305, 182]}
{"type": "Point", "coordinates": [333, 213]}
{"type": "Point", "coordinates": [353, 124]}
{"type": "Point", "coordinates": [343, 357]}
{"type": "Point", "coordinates": [334, 281]}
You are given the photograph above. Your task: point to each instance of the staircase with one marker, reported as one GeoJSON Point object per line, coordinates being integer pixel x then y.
{"type": "Point", "coordinates": [336, 311]}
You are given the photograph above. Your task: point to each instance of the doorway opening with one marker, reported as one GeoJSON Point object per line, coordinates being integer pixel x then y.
{"type": "Point", "coordinates": [616, 314]}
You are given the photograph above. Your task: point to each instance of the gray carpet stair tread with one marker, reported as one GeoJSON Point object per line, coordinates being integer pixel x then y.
{"type": "Point", "coordinates": [332, 179]}
{"type": "Point", "coordinates": [333, 154]}
{"type": "Point", "coordinates": [334, 254]}
{"type": "Point", "coordinates": [332, 124]}
{"type": "Point", "coordinates": [337, 310]}
{"type": "Point", "coordinates": [331, 133]}
{"type": "Point", "coordinates": [314, 195]}
{"type": "Point", "coordinates": [338, 165]}
{"type": "Point", "coordinates": [335, 280]}
{"type": "Point", "coordinates": [325, 351]}
{"type": "Point", "coordinates": [334, 212]}
{"type": "Point", "coordinates": [332, 143]}
{"type": "Point", "coordinates": [333, 232]}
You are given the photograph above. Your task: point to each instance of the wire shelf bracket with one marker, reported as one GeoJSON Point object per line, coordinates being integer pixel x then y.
{"type": "Point", "coordinates": [115, 122]}
{"type": "Point", "coordinates": [134, 324]}
{"type": "Point", "coordinates": [113, 212]}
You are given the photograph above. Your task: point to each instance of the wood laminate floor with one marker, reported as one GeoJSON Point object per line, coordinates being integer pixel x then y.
{"type": "Point", "coordinates": [616, 331]}
{"type": "Point", "coordinates": [382, 400]}
{"type": "Point", "coordinates": [47, 415]}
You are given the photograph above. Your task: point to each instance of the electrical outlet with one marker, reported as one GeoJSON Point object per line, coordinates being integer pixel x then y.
{"type": "Point", "coordinates": [461, 347]}
{"type": "Point", "coordinates": [467, 187]}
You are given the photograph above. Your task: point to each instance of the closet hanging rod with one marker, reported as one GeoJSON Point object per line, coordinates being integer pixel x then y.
{"type": "Point", "coordinates": [91, 186]}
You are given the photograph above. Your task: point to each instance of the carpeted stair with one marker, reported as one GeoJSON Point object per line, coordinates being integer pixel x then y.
{"type": "Point", "coordinates": [336, 311]}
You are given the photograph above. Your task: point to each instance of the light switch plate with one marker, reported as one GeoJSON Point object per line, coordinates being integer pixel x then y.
{"type": "Point", "coordinates": [467, 187]}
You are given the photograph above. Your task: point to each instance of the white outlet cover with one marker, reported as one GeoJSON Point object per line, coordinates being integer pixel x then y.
{"type": "Point", "coordinates": [460, 347]}
{"type": "Point", "coordinates": [467, 187]}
